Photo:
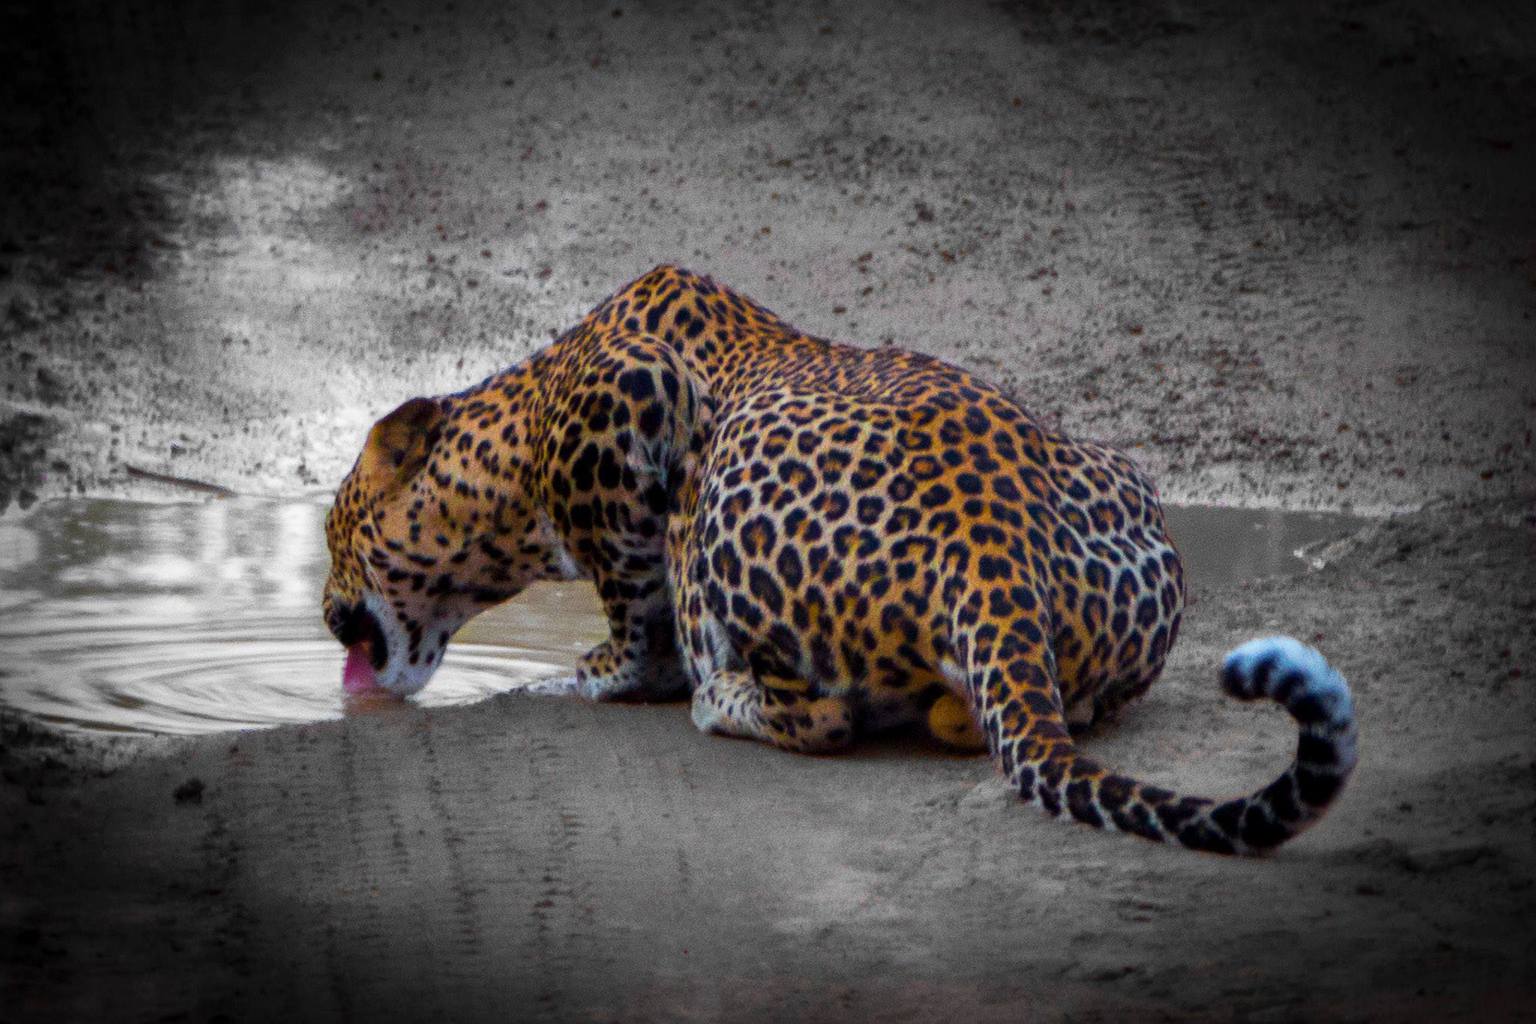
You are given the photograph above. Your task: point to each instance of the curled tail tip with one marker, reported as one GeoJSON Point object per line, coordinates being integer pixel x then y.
{"type": "Point", "coordinates": [1290, 672]}
{"type": "Point", "coordinates": [1318, 698]}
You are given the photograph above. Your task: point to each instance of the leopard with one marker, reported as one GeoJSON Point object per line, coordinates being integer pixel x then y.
{"type": "Point", "coordinates": [810, 542]}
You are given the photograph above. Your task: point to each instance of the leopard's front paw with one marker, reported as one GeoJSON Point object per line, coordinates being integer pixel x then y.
{"type": "Point", "coordinates": [603, 674]}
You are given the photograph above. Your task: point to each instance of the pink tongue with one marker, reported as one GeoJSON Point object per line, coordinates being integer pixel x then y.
{"type": "Point", "coordinates": [358, 676]}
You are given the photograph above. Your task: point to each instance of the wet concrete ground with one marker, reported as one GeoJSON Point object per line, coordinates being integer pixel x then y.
{"type": "Point", "coordinates": [549, 859]}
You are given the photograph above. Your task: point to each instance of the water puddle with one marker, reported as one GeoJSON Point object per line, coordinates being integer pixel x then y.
{"type": "Point", "coordinates": [192, 618]}
{"type": "Point", "coordinates": [1224, 545]}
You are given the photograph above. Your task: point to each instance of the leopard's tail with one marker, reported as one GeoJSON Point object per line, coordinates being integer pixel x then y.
{"type": "Point", "coordinates": [1010, 675]}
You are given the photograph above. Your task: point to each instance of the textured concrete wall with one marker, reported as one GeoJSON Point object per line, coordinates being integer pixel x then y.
{"type": "Point", "coordinates": [1283, 252]}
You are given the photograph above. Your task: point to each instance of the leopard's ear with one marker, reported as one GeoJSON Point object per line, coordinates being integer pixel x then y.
{"type": "Point", "coordinates": [399, 444]}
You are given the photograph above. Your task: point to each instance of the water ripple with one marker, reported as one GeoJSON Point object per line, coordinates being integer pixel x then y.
{"type": "Point", "coordinates": [187, 619]}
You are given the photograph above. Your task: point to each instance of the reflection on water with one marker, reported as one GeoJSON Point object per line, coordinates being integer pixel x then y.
{"type": "Point", "coordinates": [204, 617]}
{"type": "Point", "coordinates": [1223, 545]}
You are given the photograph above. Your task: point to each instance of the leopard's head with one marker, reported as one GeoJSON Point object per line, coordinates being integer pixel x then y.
{"type": "Point", "coordinates": [430, 527]}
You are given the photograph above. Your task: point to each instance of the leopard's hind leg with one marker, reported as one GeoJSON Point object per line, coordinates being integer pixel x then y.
{"type": "Point", "coordinates": [734, 702]}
